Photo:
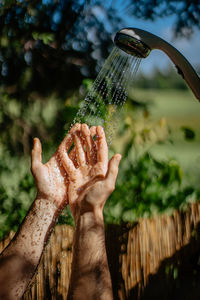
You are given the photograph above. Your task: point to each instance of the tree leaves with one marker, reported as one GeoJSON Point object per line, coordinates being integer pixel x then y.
{"type": "Point", "coordinates": [187, 13]}
{"type": "Point", "coordinates": [148, 186]}
{"type": "Point", "coordinates": [189, 133]}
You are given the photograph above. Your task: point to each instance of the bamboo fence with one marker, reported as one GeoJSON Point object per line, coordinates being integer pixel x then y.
{"type": "Point", "coordinates": [138, 254]}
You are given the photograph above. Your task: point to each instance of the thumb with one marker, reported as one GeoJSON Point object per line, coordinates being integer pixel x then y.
{"type": "Point", "coordinates": [113, 169]}
{"type": "Point", "coordinates": [36, 154]}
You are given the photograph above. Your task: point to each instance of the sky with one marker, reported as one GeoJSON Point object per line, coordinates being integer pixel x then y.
{"type": "Point", "coordinates": [190, 48]}
{"type": "Point", "coordinates": [162, 27]}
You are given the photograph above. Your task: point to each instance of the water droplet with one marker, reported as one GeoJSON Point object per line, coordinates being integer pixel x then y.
{"type": "Point", "coordinates": [109, 90]}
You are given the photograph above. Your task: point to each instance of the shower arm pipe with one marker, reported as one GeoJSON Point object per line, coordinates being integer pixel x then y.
{"type": "Point", "coordinates": [184, 68]}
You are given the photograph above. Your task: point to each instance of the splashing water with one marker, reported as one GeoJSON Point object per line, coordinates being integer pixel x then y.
{"type": "Point", "coordinates": [104, 102]}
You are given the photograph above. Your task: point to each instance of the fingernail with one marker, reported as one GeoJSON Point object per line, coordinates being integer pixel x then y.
{"type": "Point", "coordinates": [100, 129]}
{"type": "Point", "coordinates": [34, 140]}
{"type": "Point", "coordinates": [119, 157]}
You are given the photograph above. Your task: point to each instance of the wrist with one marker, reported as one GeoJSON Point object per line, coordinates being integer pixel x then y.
{"type": "Point", "coordinates": [43, 206]}
{"type": "Point", "coordinates": [91, 217]}
{"type": "Point", "coordinates": [46, 209]}
{"type": "Point", "coordinates": [49, 201]}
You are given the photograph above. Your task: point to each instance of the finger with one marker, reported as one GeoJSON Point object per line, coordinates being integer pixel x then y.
{"type": "Point", "coordinates": [68, 140]}
{"type": "Point", "coordinates": [62, 151]}
{"type": "Point", "coordinates": [102, 148]}
{"type": "Point", "coordinates": [80, 152]}
{"type": "Point", "coordinates": [36, 154]}
{"type": "Point", "coordinates": [90, 144]}
{"type": "Point", "coordinates": [93, 131]}
{"type": "Point", "coordinates": [113, 170]}
{"type": "Point", "coordinates": [67, 164]}
{"type": "Point", "coordinates": [66, 143]}
{"type": "Point", "coordinates": [72, 156]}
{"type": "Point", "coordinates": [76, 127]}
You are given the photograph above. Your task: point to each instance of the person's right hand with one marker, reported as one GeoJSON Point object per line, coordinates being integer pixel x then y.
{"type": "Point", "coordinates": [94, 198]}
{"type": "Point", "coordinates": [91, 178]}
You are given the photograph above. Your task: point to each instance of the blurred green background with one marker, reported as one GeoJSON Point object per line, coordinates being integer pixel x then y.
{"type": "Point", "coordinates": [50, 53]}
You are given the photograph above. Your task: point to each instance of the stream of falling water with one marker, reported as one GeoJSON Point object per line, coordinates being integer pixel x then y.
{"type": "Point", "coordinates": [104, 102]}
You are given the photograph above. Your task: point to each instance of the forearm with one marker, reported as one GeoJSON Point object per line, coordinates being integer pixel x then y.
{"type": "Point", "coordinates": [90, 273]}
{"type": "Point", "coordinates": [19, 260]}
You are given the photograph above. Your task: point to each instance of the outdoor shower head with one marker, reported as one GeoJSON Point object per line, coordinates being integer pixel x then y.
{"type": "Point", "coordinates": [139, 43]}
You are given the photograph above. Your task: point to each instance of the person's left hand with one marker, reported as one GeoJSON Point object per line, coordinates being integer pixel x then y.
{"type": "Point", "coordinates": [50, 178]}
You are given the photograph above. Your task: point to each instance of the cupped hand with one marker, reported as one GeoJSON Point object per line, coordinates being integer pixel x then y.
{"type": "Point", "coordinates": [88, 169]}
{"type": "Point", "coordinates": [51, 178]}
{"type": "Point", "coordinates": [96, 195]}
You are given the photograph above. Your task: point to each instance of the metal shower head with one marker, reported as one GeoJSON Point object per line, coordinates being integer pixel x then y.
{"type": "Point", "coordinates": [139, 43]}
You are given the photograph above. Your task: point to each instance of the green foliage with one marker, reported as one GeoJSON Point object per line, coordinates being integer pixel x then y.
{"type": "Point", "coordinates": [47, 49]}
{"type": "Point", "coordinates": [46, 38]}
{"type": "Point", "coordinates": [21, 122]}
{"type": "Point", "coordinates": [188, 133]}
{"type": "Point", "coordinates": [169, 79]}
{"type": "Point", "coordinates": [145, 187]}
{"type": "Point", "coordinates": [186, 13]}
{"type": "Point", "coordinates": [66, 217]}
{"type": "Point", "coordinates": [17, 191]}
{"type": "Point", "coordinates": [56, 42]}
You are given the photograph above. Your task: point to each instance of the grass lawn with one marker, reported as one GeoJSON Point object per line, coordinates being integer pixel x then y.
{"type": "Point", "coordinates": [180, 108]}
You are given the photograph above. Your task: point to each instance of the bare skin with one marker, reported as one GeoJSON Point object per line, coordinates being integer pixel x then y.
{"type": "Point", "coordinates": [62, 178]}
{"type": "Point", "coordinates": [19, 260]}
{"type": "Point", "coordinates": [90, 165]}
{"type": "Point", "coordinates": [90, 277]}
